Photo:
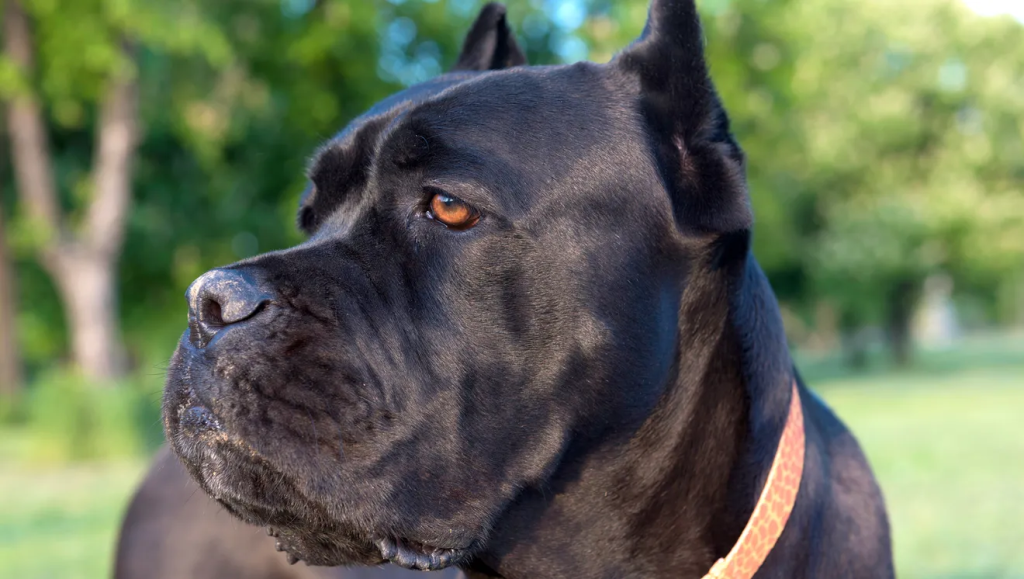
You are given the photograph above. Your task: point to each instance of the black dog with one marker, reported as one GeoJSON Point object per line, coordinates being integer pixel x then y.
{"type": "Point", "coordinates": [526, 337]}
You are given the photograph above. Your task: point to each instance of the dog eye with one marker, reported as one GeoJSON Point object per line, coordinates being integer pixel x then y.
{"type": "Point", "coordinates": [452, 212]}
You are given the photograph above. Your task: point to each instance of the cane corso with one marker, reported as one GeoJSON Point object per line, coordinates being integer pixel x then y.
{"type": "Point", "coordinates": [526, 337]}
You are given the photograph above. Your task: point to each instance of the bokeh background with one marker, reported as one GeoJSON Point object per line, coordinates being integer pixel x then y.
{"type": "Point", "coordinates": [145, 141]}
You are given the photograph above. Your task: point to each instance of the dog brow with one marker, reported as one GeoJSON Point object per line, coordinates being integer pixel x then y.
{"type": "Point", "coordinates": [329, 158]}
{"type": "Point", "coordinates": [333, 162]}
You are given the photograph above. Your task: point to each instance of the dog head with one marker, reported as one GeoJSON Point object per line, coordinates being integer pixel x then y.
{"type": "Point", "coordinates": [493, 273]}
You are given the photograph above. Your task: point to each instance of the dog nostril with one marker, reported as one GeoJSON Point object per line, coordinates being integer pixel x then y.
{"type": "Point", "coordinates": [211, 314]}
{"type": "Point", "coordinates": [220, 298]}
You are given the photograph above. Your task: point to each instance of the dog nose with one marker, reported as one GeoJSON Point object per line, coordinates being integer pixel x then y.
{"type": "Point", "coordinates": [219, 298]}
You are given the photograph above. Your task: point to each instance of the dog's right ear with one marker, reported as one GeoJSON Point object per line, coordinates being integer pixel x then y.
{"type": "Point", "coordinates": [703, 165]}
{"type": "Point", "coordinates": [490, 44]}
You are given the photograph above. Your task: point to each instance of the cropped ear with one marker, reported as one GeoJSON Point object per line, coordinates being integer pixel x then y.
{"type": "Point", "coordinates": [490, 44]}
{"type": "Point", "coordinates": [702, 164]}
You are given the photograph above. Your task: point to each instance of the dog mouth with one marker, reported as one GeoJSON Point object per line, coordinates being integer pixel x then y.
{"type": "Point", "coordinates": [402, 552]}
{"type": "Point", "coordinates": [419, 556]}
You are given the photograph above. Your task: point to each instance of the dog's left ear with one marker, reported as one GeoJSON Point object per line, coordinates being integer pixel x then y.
{"type": "Point", "coordinates": [490, 44]}
{"type": "Point", "coordinates": [702, 164]}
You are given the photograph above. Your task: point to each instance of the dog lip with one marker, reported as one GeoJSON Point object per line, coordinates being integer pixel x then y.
{"type": "Point", "coordinates": [295, 551]}
{"type": "Point", "coordinates": [194, 415]}
{"type": "Point", "coordinates": [418, 556]}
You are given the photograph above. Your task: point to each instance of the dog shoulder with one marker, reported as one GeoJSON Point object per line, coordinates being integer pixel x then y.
{"type": "Point", "coordinates": [852, 520]}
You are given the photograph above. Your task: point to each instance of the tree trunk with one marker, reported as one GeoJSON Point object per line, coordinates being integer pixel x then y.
{"type": "Point", "coordinates": [30, 151]}
{"type": "Point", "coordinates": [855, 349]}
{"type": "Point", "coordinates": [84, 267]}
{"type": "Point", "coordinates": [113, 158]}
{"type": "Point", "coordinates": [853, 340]}
{"type": "Point", "coordinates": [899, 315]}
{"type": "Point", "coordinates": [87, 286]}
{"type": "Point", "coordinates": [10, 359]}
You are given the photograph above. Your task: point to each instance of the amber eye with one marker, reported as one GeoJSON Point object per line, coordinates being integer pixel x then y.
{"type": "Point", "coordinates": [452, 212]}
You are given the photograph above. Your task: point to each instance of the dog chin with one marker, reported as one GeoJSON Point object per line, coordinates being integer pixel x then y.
{"type": "Point", "coordinates": [251, 489]}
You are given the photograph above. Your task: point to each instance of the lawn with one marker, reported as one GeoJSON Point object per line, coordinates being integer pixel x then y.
{"type": "Point", "coordinates": [949, 453]}
{"type": "Point", "coordinates": [945, 438]}
{"type": "Point", "coordinates": [62, 523]}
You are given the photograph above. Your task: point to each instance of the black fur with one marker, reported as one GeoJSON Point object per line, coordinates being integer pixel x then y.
{"type": "Point", "coordinates": [589, 383]}
{"type": "Point", "coordinates": [172, 530]}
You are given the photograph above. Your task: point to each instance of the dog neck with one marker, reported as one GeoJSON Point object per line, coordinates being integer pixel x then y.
{"type": "Point", "coordinates": [675, 496]}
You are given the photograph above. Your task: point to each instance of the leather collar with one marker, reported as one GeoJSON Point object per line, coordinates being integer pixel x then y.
{"type": "Point", "coordinates": [775, 505]}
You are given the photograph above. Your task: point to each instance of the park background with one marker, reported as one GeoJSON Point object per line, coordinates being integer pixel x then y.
{"type": "Point", "coordinates": [145, 141]}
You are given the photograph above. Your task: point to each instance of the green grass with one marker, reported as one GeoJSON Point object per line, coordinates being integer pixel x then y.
{"type": "Point", "coordinates": [949, 454]}
{"type": "Point", "coordinates": [61, 523]}
{"type": "Point", "coordinates": [945, 439]}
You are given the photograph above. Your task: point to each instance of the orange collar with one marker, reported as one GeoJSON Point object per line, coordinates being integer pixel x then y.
{"type": "Point", "coordinates": [773, 508]}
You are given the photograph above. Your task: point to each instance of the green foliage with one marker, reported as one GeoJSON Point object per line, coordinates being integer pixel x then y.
{"type": "Point", "coordinates": [78, 44]}
{"type": "Point", "coordinates": [910, 178]}
{"type": "Point", "coordinates": [65, 418]}
{"type": "Point", "coordinates": [884, 139]}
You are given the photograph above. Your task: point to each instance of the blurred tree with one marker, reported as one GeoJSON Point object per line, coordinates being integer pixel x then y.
{"type": "Point", "coordinates": [915, 147]}
{"type": "Point", "coordinates": [10, 359]}
{"type": "Point", "coordinates": [11, 377]}
{"type": "Point", "coordinates": [67, 54]}
{"type": "Point", "coordinates": [82, 263]}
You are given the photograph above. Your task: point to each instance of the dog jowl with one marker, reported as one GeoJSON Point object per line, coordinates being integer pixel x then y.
{"type": "Point", "coordinates": [525, 337]}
